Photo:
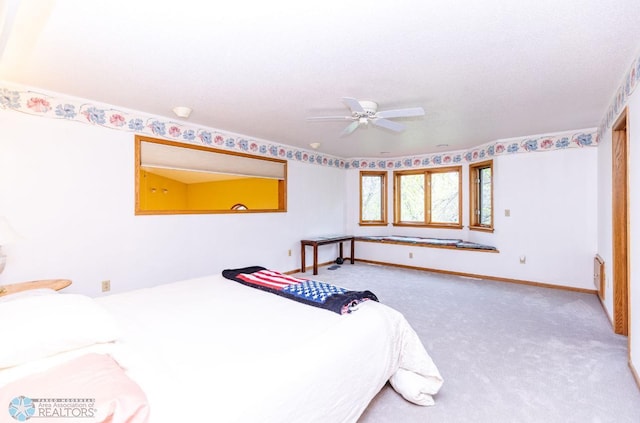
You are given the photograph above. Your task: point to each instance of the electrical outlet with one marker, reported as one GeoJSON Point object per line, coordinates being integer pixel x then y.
{"type": "Point", "coordinates": [289, 253]}
{"type": "Point", "coordinates": [410, 255]}
{"type": "Point", "coordinates": [106, 286]}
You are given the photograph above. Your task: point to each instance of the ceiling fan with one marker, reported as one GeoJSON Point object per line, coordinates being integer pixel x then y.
{"type": "Point", "coordinates": [364, 111]}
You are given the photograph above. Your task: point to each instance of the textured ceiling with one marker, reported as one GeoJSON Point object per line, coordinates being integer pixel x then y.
{"type": "Point", "coordinates": [482, 70]}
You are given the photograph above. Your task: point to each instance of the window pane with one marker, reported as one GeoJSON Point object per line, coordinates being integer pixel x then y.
{"type": "Point", "coordinates": [412, 198]}
{"type": "Point", "coordinates": [371, 198]}
{"type": "Point", "coordinates": [444, 197]}
{"type": "Point", "coordinates": [485, 196]}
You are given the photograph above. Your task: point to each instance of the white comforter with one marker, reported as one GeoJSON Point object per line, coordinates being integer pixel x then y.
{"type": "Point", "coordinates": [210, 349]}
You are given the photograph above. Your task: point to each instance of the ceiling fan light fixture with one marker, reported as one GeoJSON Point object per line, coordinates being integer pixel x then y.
{"type": "Point", "coordinates": [182, 111]}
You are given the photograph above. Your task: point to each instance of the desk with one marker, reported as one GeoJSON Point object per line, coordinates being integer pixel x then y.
{"type": "Point", "coordinates": [314, 242]}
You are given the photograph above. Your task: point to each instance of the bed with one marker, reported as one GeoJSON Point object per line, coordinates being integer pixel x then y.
{"type": "Point", "coordinates": [210, 349]}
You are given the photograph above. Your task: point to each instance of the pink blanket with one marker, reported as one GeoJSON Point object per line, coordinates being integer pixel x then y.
{"type": "Point", "coordinates": [91, 388]}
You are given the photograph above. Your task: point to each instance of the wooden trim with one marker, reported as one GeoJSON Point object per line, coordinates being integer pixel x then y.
{"type": "Point", "coordinates": [136, 169]}
{"type": "Point", "coordinates": [56, 284]}
{"type": "Point", "coordinates": [636, 377]}
{"type": "Point", "coordinates": [282, 189]}
{"type": "Point", "coordinates": [326, 263]}
{"type": "Point", "coordinates": [620, 224]}
{"type": "Point", "coordinates": [481, 229]}
{"type": "Point", "coordinates": [429, 225]}
{"type": "Point", "coordinates": [139, 210]}
{"type": "Point", "coordinates": [492, 278]}
{"type": "Point", "coordinates": [229, 211]}
{"type": "Point", "coordinates": [427, 197]}
{"type": "Point", "coordinates": [383, 194]}
{"type": "Point", "coordinates": [419, 244]}
{"type": "Point", "coordinates": [474, 195]}
{"type": "Point", "coordinates": [140, 138]}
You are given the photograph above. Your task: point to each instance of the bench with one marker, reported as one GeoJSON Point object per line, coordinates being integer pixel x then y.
{"type": "Point", "coordinates": [429, 242]}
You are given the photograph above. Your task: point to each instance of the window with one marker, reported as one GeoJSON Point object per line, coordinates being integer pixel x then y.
{"type": "Point", "coordinates": [175, 178]}
{"type": "Point", "coordinates": [373, 194]}
{"type": "Point", "coordinates": [428, 197]}
{"type": "Point", "coordinates": [481, 196]}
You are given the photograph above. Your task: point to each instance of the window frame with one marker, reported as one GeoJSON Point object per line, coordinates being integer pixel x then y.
{"type": "Point", "coordinates": [222, 162]}
{"type": "Point", "coordinates": [383, 195]}
{"type": "Point", "coordinates": [475, 223]}
{"type": "Point", "coordinates": [397, 175]}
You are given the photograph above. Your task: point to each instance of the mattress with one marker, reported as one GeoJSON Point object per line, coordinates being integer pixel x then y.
{"type": "Point", "coordinates": [209, 349]}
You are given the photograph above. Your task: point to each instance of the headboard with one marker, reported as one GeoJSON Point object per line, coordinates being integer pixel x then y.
{"type": "Point", "coordinates": [56, 284]}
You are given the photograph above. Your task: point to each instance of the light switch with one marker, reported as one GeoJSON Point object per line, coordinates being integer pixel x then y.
{"type": "Point", "coordinates": [507, 212]}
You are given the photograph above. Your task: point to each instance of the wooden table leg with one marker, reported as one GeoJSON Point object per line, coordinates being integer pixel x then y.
{"type": "Point", "coordinates": [315, 259]}
{"type": "Point", "coordinates": [303, 267]}
{"type": "Point", "coordinates": [341, 253]}
{"type": "Point", "coordinates": [353, 253]}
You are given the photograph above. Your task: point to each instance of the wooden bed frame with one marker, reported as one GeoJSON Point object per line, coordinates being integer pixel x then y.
{"type": "Point", "coordinates": [56, 284]}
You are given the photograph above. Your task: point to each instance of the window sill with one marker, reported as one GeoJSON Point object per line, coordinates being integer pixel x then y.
{"type": "Point", "coordinates": [481, 229]}
{"type": "Point", "coordinates": [422, 225]}
{"type": "Point", "coordinates": [373, 223]}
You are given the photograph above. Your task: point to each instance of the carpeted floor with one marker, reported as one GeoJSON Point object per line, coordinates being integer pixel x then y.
{"type": "Point", "coordinates": [508, 353]}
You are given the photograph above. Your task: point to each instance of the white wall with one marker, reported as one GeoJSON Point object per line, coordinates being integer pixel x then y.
{"type": "Point", "coordinates": [68, 189]}
{"type": "Point", "coordinates": [605, 216]}
{"type": "Point", "coordinates": [553, 203]}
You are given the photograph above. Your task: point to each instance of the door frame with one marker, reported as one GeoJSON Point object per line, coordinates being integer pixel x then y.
{"type": "Point", "coordinates": [620, 223]}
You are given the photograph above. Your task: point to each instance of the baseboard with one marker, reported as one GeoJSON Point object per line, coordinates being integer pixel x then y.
{"type": "Point", "coordinates": [326, 263]}
{"type": "Point", "coordinates": [634, 373]}
{"type": "Point", "coordinates": [493, 278]}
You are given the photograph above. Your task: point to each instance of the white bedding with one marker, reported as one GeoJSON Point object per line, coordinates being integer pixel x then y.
{"type": "Point", "coordinates": [210, 349]}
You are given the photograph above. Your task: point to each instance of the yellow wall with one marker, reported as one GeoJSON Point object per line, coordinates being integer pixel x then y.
{"type": "Point", "coordinates": [160, 193]}
{"type": "Point", "coordinates": [255, 193]}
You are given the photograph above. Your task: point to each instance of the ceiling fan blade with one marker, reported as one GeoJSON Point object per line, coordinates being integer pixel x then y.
{"type": "Point", "coordinates": [350, 128]}
{"type": "Point", "coordinates": [410, 112]}
{"type": "Point", "coordinates": [353, 104]}
{"type": "Point", "coordinates": [388, 124]}
{"type": "Point", "coordinates": [316, 118]}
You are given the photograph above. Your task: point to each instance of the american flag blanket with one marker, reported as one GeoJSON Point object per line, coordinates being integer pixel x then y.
{"type": "Point", "coordinates": [315, 293]}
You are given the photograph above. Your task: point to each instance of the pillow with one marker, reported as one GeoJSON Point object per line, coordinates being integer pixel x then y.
{"type": "Point", "coordinates": [27, 293]}
{"type": "Point", "coordinates": [43, 325]}
{"type": "Point", "coordinates": [109, 394]}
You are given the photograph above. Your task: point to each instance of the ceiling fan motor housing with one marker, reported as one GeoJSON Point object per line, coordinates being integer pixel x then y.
{"type": "Point", "coordinates": [370, 109]}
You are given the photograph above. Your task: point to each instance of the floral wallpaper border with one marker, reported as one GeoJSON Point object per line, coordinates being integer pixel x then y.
{"type": "Point", "coordinates": [22, 100]}
{"type": "Point", "coordinates": [487, 151]}
{"type": "Point", "coordinates": [627, 88]}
